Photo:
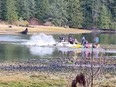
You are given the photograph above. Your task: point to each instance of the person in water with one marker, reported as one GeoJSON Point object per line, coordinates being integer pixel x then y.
{"type": "Point", "coordinates": [76, 41]}
{"type": "Point", "coordinates": [25, 31]}
{"type": "Point", "coordinates": [62, 38]}
{"type": "Point", "coordinates": [96, 40]}
{"type": "Point", "coordinates": [71, 39]}
{"type": "Point", "coordinates": [83, 41]}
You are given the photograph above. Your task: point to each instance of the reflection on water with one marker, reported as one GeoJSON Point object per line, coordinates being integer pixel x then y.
{"type": "Point", "coordinates": [88, 53]}
{"type": "Point", "coordinates": [41, 50]}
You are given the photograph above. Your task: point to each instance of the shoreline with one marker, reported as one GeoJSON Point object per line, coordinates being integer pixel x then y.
{"type": "Point", "coordinates": [5, 29]}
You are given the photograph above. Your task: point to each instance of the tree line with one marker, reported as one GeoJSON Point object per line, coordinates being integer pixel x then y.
{"type": "Point", "coordinates": [72, 13]}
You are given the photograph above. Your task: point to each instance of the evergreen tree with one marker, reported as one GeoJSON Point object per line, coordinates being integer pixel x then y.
{"type": "Point", "coordinates": [112, 7]}
{"type": "Point", "coordinates": [58, 12]}
{"type": "Point", "coordinates": [75, 13]}
{"type": "Point", "coordinates": [32, 8]}
{"type": "Point", "coordinates": [96, 5]}
{"type": "Point", "coordinates": [11, 10]}
{"type": "Point", "coordinates": [26, 8]}
{"type": "Point", "coordinates": [42, 9]}
{"type": "Point", "coordinates": [86, 6]}
{"type": "Point", "coordinates": [0, 9]}
{"type": "Point", "coordinates": [105, 18]}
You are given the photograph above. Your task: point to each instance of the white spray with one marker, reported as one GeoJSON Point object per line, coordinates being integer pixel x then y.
{"type": "Point", "coordinates": [41, 40]}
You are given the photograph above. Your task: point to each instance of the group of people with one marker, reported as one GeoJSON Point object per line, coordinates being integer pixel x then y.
{"type": "Point", "coordinates": [72, 40]}
{"type": "Point", "coordinates": [84, 41]}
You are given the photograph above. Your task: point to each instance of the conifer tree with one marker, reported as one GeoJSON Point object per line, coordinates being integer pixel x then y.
{"type": "Point", "coordinates": [11, 11]}
{"type": "Point", "coordinates": [58, 12]}
{"type": "Point", "coordinates": [42, 9]}
{"type": "Point", "coordinates": [86, 6]}
{"type": "Point", "coordinates": [112, 7]}
{"type": "Point", "coordinates": [105, 18]}
{"type": "Point", "coordinates": [32, 8]}
{"type": "Point", "coordinates": [75, 13]}
{"type": "Point", "coordinates": [0, 9]}
{"type": "Point", "coordinates": [26, 8]}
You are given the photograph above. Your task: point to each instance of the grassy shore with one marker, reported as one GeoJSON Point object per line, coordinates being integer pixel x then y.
{"type": "Point", "coordinates": [42, 79]}
{"type": "Point", "coordinates": [5, 29]}
{"type": "Point", "coordinates": [18, 77]}
{"type": "Point", "coordinates": [31, 79]}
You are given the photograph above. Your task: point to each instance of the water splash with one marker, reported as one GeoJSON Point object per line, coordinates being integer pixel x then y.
{"type": "Point", "coordinates": [41, 40]}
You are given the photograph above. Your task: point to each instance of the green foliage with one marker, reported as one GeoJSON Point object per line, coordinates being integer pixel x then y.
{"type": "Point", "coordinates": [113, 26]}
{"type": "Point", "coordinates": [26, 9]}
{"type": "Point", "coordinates": [111, 4]}
{"type": "Point", "coordinates": [105, 18]}
{"type": "Point", "coordinates": [58, 13]}
{"type": "Point", "coordinates": [11, 14]}
{"type": "Point", "coordinates": [73, 13]}
{"type": "Point", "coordinates": [86, 6]}
{"type": "Point", "coordinates": [42, 8]}
{"type": "Point", "coordinates": [23, 23]}
{"type": "Point", "coordinates": [0, 9]}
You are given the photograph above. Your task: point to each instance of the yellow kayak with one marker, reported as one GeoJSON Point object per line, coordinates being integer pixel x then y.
{"type": "Point", "coordinates": [78, 46]}
{"type": "Point", "coordinates": [86, 46]}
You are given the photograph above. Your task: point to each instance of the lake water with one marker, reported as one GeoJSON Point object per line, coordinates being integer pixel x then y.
{"type": "Point", "coordinates": [21, 47]}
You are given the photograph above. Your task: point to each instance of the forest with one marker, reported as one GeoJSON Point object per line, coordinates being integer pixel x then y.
{"type": "Point", "coordinates": [100, 14]}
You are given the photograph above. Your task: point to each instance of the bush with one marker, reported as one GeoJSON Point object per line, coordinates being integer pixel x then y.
{"type": "Point", "coordinates": [22, 23]}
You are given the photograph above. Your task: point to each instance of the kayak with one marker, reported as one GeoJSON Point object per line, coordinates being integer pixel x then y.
{"type": "Point", "coordinates": [78, 46]}
{"type": "Point", "coordinates": [67, 44]}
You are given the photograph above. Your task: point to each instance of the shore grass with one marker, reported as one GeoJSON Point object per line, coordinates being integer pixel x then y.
{"type": "Point", "coordinates": [42, 79]}
{"type": "Point", "coordinates": [31, 79]}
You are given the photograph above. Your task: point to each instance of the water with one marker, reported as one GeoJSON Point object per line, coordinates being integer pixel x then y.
{"type": "Point", "coordinates": [41, 40]}
{"type": "Point", "coordinates": [24, 47]}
